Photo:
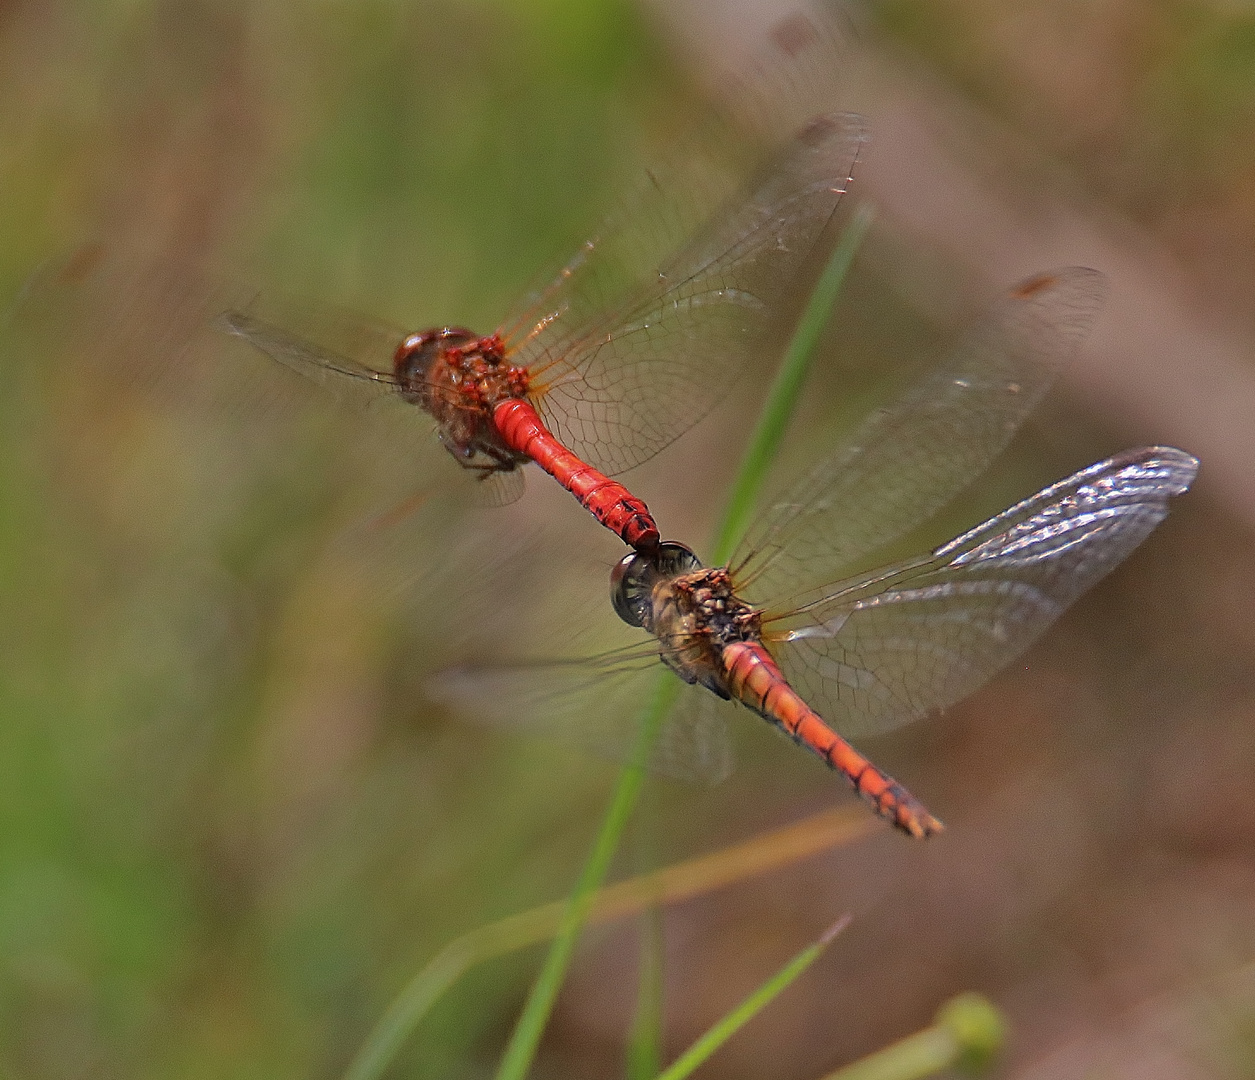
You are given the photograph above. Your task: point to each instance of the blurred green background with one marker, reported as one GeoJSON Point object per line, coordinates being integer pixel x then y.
{"type": "Point", "coordinates": [230, 825]}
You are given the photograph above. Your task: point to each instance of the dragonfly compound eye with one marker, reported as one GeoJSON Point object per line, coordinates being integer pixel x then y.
{"type": "Point", "coordinates": [634, 576]}
{"type": "Point", "coordinates": [412, 364]}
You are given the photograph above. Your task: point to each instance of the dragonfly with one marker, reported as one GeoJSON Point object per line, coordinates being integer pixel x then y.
{"type": "Point", "coordinates": [621, 354]}
{"type": "Point", "coordinates": [826, 652]}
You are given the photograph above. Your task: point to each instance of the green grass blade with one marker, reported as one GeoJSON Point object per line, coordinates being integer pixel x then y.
{"type": "Point", "coordinates": [722, 1031]}
{"type": "Point", "coordinates": [644, 1051]}
{"type": "Point", "coordinates": [921, 1055]}
{"type": "Point", "coordinates": [674, 884]}
{"type": "Point", "coordinates": [531, 1024]}
{"type": "Point", "coordinates": [967, 1035]}
{"type": "Point", "coordinates": [782, 398]}
{"type": "Point", "coordinates": [643, 1056]}
{"type": "Point", "coordinates": [408, 1007]}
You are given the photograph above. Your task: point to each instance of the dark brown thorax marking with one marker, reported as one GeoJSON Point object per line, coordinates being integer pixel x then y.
{"type": "Point", "coordinates": [695, 616]}
{"type": "Point", "coordinates": [459, 378]}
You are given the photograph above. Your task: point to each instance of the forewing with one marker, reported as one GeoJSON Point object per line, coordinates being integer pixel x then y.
{"type": "Point", "coordinates": [149, 319]}
{"type": "Point", "coordinates": [906, 462]}
{"type": "Point", "coordinates": [892, 646]}
{"type": "Point", "coordinates": [595, 704]}
{"type": "Point", "coordinates": [350, 357]}
{"type": "Point", "coordinates": [631, 352]}
{"type": "Point", "coordinates": [116, 317]}
{"type": "Point", "coordinates": [320, 342]}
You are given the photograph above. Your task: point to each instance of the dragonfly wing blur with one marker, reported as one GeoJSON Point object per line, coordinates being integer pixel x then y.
{"type": "Point", "coordinates": [628, 352]}
{"type": "Point", "coordinates": [123, 317]}
{"type": "Point", "coordinates": [351, 357]}
{"type": "Point", "coordinates": [321, 342]}
{"type": "Point", "coordinates": [499, 488]}
{"type": "Point", "coordinates": [906, 462]}
{"type": "Point", "coordinates": [894, 645]}
{"type": "Point", "coordinates": [596, 703]}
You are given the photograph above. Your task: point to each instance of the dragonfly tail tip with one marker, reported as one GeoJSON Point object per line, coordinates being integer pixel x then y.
{"type": "Point", "coordinates": [919, 823]}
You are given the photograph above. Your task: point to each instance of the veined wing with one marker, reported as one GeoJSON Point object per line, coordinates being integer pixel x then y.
{"type": "Point", "coordinates": [146, 316]}
{"type": "Point", "coordinates": [630, 353]}
{"type": "Point", "coordinates": [906, 462]}
{"type": "Point", "coordinates": [321, 342]}
{"type": "Point", "coordinates": [595, 703]}
{"type": "Point", "coordinates": [352, 357]}
{"type": "Point", "coordinates": [126, 317]}
{"type": "Point", "coordinates": [894, 645]}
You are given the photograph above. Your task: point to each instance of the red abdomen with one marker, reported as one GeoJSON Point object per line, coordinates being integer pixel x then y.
{"type": "Point", "coordinates": [607, 500]}
{"type": "Point", "coordinates": [755, 680]}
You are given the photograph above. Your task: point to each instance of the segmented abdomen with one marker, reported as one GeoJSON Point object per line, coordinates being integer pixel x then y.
{"type": "Point", "coordinates": [756, 681]}
{"type": "Point", "coordinates": [607, 500]}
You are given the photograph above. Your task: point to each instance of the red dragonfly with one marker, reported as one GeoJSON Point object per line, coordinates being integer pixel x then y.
{"type": "Point", "coordinates": [787, 629]}
{"type": "Point", "coordinates": [621, 354]}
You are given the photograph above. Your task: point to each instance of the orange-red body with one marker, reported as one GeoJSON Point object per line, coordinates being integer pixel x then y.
{"type": "Point", "coordinates": [708, 635]}
{"type": "Point", "coordinates": [754, 679]}
{"type": "Point", "coordinates": [486, 421]}
{"type": "Point", "coordinates": [607, 500]}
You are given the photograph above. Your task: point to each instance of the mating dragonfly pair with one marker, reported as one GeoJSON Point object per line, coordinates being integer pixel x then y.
{"type": "Point", "coordinates": [618, 358]}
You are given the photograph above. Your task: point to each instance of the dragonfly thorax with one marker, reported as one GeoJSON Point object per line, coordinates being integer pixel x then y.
{"type": "Point", "coordinates": [459, 378]}
{"type": "Point", "coordinates": [455, 364]}
{"type": "Point", "coordinates": [695, 616]}
{"type": "Point", "coordinates": [703, 603]}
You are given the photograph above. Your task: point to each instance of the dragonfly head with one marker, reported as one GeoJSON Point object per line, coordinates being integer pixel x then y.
{"type": "Point", "coordinates": [634, 576]}
{"type": "Point", "coordinates": [412, 363]}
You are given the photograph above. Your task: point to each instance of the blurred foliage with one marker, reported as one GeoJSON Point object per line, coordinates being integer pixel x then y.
{"type": "Point", "coordinates": [230, 827]}
{"type": "Point", "coordinates": [966, 1037]}
{"type": "Point", "coordinates": [205, 779]}
{"type": "Point", "coordinates": [1151, 103]}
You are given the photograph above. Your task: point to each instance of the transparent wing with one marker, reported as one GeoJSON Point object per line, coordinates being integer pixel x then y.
{"type": "Point", "coordinates": [117, 316]}
{"type": "Point", "coordinates": [894, 645]}
{"type": "Point", "coordinates": [628, 352]}
{"type": "Point", "coordinates": [321, 342]}
{"type": "Point", "coordinates": [496, 489]}
{"type": "Point", "coordinates": [161, 322]}
{"type": "Point", "coordinates": [351, 356]}
{"type": "Point", "coordinates": [595, 703]}
{"type": "Point", "coordinates": [487, 493]}
{"type": "Point", "coordinates": [908, 461]}
{"type": "Point", "coordinates": [632, 352]}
